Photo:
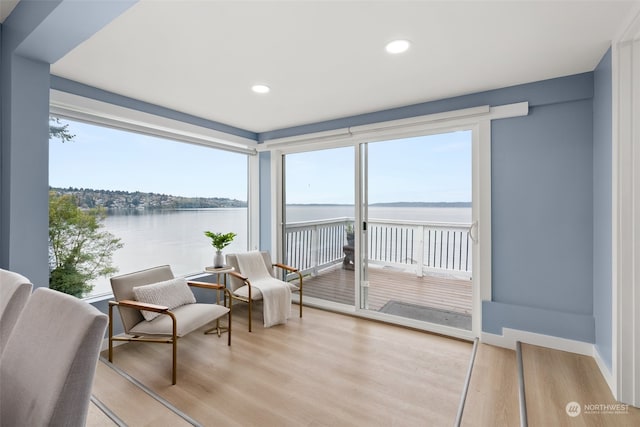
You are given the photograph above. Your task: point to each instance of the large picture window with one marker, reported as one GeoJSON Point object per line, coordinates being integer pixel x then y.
{"type": "Point", "coordinates": [159, 195]}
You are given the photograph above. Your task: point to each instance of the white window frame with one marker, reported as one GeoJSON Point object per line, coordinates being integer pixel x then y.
{"type": "Point", "coordinates": [624, 381]}
{"type": "Point", "coordinates": [99, 113]}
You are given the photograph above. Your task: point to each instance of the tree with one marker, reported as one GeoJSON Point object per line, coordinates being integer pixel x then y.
{"type": "Point", "coordinates": [59, 131]}
{"type": "Point", "coordinates": [80, 249]}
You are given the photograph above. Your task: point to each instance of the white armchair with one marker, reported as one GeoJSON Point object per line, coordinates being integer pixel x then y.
{"type": "Point", "coordinates": [242, 284]}
{"type": "Point", "coordinates": [156, 307]}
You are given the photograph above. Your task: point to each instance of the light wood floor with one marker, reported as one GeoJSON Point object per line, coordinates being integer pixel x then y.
{"type": "Point", "coordinates": [385, 284]}
{"type": "Point", "coordinates": [325, 369]}
{"type": "Point", "coordinates": [555, 378]}
{"type": "Point", "coordinates": [329, 369]}
{"type": "Point", "coordinates": [552, 379]}
{"type": "Point", "coordinates": [492, 399]}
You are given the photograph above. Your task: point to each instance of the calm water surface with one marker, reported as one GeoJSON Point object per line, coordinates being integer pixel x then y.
{"type": "Point", "coordinates": [177, 237]}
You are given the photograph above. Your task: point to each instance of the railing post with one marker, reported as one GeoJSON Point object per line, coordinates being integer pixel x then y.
{"type": "Point", "coordinates": [419, 251]}
{"type": "Point", "coordinates": [315, 249]}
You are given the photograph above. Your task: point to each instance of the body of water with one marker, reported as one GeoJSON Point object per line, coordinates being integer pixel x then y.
{"type": "Point", "coordinates": [177, 237]}
{"type": "Point", "coordinates": [310, 213]}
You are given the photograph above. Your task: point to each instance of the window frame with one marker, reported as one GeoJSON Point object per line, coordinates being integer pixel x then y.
{"type": "Point", "coordinates": [477, 119]}
{"type": "Point", "coordinates": [93, 112]}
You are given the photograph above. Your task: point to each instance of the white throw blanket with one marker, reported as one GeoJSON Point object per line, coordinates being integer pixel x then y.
{"type": "Point", "coordinates": [276, 295]}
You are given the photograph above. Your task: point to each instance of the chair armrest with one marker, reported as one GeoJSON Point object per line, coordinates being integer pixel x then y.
{"type": "Point", "coordinates": [286, 267]}
{"type": "Point", "coordinates": [205, 285]}
{"type": "Point", "coordinates": [291, 269]}
{"type": "Point", "coordinates": [142, 306]}
{"type": "Point", "coordinates": [239, 276]}
{"type": "Point", "coordinates": [246, 282]}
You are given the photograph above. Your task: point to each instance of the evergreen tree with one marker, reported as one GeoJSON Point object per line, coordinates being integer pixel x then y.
{"type": "Point", "coordinates": [59, 131]}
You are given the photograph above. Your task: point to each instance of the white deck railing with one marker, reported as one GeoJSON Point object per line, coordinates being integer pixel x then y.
{"type": "Point", "coordinates": [422, 247]}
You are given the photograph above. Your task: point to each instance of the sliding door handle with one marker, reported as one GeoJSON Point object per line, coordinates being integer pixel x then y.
{"type": "Point", "coordinates": [472, 227]}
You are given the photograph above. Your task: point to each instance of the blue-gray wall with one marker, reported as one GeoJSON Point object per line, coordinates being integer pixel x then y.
{"type": "Point", "coordinates": [602, 203]}
{"type": "Point", "coordinates": [542, 239]}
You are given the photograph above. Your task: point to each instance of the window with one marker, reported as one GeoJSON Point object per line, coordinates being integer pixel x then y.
{"type": "Point", "coordinates": [160, 195]}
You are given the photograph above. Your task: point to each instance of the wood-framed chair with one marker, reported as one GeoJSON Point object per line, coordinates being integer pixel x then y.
{"type": "Point", "coordinates": [240, 286]}
{"type": "Point", "coordinates": [168, 302]}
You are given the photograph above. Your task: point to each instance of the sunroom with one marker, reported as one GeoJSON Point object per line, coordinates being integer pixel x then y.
{"type": "Point", "coordinates": [478, 185]}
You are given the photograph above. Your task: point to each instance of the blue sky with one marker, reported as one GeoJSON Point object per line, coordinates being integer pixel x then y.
{"type": "Point", "coordinates": [433, 168]}
{"type": "Point", "coordinates": [109, 159]}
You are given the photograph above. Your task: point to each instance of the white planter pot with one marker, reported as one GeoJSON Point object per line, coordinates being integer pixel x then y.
{"type": "Point", "coordinates": [218, 259]}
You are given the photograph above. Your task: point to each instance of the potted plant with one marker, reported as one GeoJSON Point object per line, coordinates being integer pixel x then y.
{"type": "Point", "coordinates": [219, 241]}
{"type": "Point", "coordinates": [350, 235]}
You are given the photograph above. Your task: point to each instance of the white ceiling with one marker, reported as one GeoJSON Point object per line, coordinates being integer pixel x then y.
{"type": "Point", "coordinates": [326, 60]}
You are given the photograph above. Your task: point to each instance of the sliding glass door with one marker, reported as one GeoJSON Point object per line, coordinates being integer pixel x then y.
{"type": "Point", "coordinates": [415, 245]}
{"type": "Point", "coordinates": [384, 227]}
{"type": "Point", "coordinates": [318, 231]}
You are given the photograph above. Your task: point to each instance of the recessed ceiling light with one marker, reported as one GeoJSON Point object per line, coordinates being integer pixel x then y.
{"type": "Point", "coordinates": [260, 88]}
{"type": "Point", "coordinates": [397, 46]}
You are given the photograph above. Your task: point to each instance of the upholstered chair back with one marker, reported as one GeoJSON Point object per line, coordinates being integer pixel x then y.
{"type": "Point", "coordinates": [14, 293]}
{"type": "Point", "coordinates": [48, 365]}
{"type": "Point", "coordinates": [122, 287]}
{"type": "Point", "coordinates": [232, 261]}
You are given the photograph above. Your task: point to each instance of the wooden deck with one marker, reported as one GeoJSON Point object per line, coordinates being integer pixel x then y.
{"type": "Point", "coordinates": [385, 284]}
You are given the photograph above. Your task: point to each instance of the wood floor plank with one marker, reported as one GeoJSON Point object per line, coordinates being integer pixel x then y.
{"type": "Point", "coordinates": [555, 378]}
{"type": "Point", "coordinates": [130, 404]}
{"type": "Point", "coordinates": [97, 418]}
{"type": "Point", "coordinates": [325, 369]}
{"type": "Point", "coordinates": [492, 399]}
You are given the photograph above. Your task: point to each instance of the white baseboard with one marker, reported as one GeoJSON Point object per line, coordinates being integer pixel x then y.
{"type": "Point", "coordinates": [509, 338]}
{"type": "Point", "coordinates": [604, 370]}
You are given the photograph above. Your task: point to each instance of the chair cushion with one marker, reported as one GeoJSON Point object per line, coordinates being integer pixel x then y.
{"type": "Point", "coordinates": [256, 295]}
{"type": "Point", "coordinates": [170, 293]}
{"type": "Point", "coordinates": [189, 317]}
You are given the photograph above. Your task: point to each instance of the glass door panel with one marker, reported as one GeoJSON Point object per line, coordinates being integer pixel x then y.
{"type": "Point", "coordinates": [416, 250]}
{"type": "Point", "coordinates": [318, 221]}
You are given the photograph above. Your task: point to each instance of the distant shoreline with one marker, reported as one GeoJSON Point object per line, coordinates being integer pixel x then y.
{"type": "Point", "coordinates": [397, 204]}
{"type": "Point", "coordinates": [115, 200]}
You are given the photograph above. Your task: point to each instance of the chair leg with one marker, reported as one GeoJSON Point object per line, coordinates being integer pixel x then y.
{"type": "Point", "coordinates": [249, 314]}
{"type": "Point", "coordinates": [174, 343]}
{"type": "Point", "coordinates": [300, 301]}
{"type": "Point", "coordinates": [111, 333]}
{"type": "Point", "coordinates": [175, 363]}
{"type": "Point", "coordinates": [229, 328]}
